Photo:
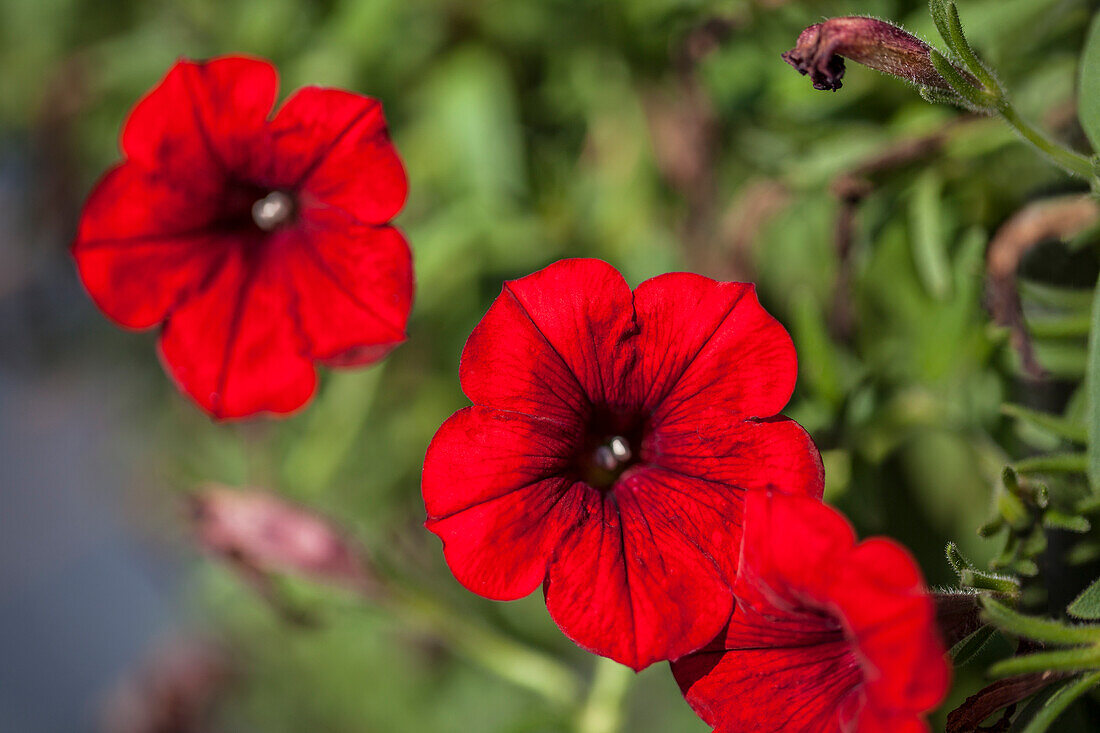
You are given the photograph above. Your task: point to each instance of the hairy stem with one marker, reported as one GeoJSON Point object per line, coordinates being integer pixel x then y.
{"type": "Point", "coordinates": [1074, 163]}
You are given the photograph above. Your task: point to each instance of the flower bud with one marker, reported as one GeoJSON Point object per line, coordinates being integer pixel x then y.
{"type": "Point", "coordinates": [268, 534]}
{"type": "Point", "coordinates": [868, 41]}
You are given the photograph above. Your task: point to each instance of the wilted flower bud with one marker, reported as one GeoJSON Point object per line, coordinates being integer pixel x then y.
{"type": "Point", "coordinates": [868, 41]}
{"type": "Point", "coordinates": [271, 535]}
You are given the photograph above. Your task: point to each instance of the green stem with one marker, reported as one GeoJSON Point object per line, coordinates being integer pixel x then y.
{"type": "Point", "coordinates": [603, 710]}
{"type": "Point", "coordinates": [505, 657]}
{"type": "Point", "coordinates": [1074, 163]}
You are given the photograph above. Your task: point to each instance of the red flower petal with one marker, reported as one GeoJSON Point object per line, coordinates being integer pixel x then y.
{"type": "Point", "coordinates": [493, 479]}
{"type": "Point", "coordinates": [201, 123]}
{"type": "Point", "coordinates": [707, 513]}
{"type": "Point", "coordinates": [784, 677]}
{"type": "Point", "coordinates": [884, 722]}
{"type": "Point", "coordinates": [234, 348]}
{"type": "Point", "coordinates": [828, 636]}
{"type": "Point", "coordinates": [882, 569]}
{"type": "Point", "coordinates": [140, 247]}
{"type": "Point", "coordinates": [352, 287]}
{"type": "Point", "coordinates": [575, 320]}
{"type": "Point", "coordinates": [356, 170]}
{"type": "Point", "coordinates": [131, 203]}
{"type": "Point", "coordinates": [719, 462]}
{"type": "Point", "coordinates": [701, 337]}
{"type": "Point", "coordinates": [783, 574]}
{"type": "Point", "coordinates": [631, 582]}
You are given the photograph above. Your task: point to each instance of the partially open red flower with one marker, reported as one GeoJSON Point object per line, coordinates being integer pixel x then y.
{"type": "Point", "coordinates": [829, 635]}
{"type": "Point", "coordinates": [259, 242]}
{"type": "Point", "coordinates": [612, 438]}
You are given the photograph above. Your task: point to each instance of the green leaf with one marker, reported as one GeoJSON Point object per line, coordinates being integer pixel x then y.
{"type": "Point", "coordinates": [1092, 376]}
{"type": "Point", "coordinates": [1060, 700]}
{"type": "Point", "coordinates": [928, 237]}
{"type": "Point", "coordinates": [1045, 630]}
{"type": "Point", "coordinates": [1083, 553]}
{"type": "Point", "coordinates": [1060, 325]}
{"type": "Point", "coordinates": [821, 368]}
{"type": "Point", "coordinates": [1076, 659]}
{"type": "Point", "coordinates": [1068, 522]}
{"type": "Point", "coordinates": [1088, 85]}
{"type": "Point", "coordinates": [1053, 424]}
{"type": "Point", "coordinates": [1078, 300]}
{"type": "Point", "coordinates": [1055, 463]}
{"type": "Point", "coordinates": [971, 646]}
{"type": "Point", "coordinates": [1061, 358]}
{"type": "Point", "coordinates": [1013, 509]}
{"type": "Point", "coordinates": [1087, 605]}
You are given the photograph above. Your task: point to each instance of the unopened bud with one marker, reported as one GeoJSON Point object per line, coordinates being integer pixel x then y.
{"type": "Point", "coordinates": [268, 534]}
{"type": "Point", "coordinates": [868, 41]}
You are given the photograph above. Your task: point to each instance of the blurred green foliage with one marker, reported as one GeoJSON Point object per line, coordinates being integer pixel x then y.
{"type": "Point", "coordinates": [655, 134]}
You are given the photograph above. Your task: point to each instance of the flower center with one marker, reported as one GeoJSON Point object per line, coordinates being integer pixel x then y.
{"type": "Point", "coordinates": [613, 455]}
{"type": "Point", "coordinates": [601, 465]}
{"type": "Point", "coordinates": [273, 210]}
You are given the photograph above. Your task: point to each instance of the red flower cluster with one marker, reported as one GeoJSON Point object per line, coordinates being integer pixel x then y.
{"type": "Point", "coordinates": [614, 442]}
{"type": "Point", "coordinates": [260, 243]}
{"type": "Point", "coordinates": [612, 439]}
{"type": "Point", "coordinates": [828, 635]}
{"type": "Point", "coordinates": [624, 449]}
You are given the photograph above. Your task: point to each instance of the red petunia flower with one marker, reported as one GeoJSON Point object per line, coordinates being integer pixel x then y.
{"type": "Point", "coordinates": [260, 243]}
{"type": "Point", "coordinates": [612, 438]}
{"type": "Point", "coordinates": [828, 635]}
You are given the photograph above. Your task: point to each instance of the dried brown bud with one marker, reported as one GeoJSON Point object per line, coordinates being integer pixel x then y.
{"type": "Point", "coordinates": [264, 533]}
{"type": "Point", "coordinates": [868, 41]}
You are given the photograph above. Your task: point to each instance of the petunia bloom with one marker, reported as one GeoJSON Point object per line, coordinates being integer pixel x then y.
{"type": "Point", "coordinates": [260, 243]}
{"type": "Point", "coordinates": [611, 441]}
{"type": "Point", "coordinates": [829, 635]}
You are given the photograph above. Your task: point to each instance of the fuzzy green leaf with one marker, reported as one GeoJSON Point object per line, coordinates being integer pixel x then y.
{"type": "Point", "coordinates": [1087, 605]}
{"type": "Point", "coordinates": [1076, 659]}
{"type": "Point", "coordinates": [1053, 424]}
{"type": "Point", "coordinates": [928, 237]}
{"type": "Point", "coordinates": [1077, 300]}
{"type": "Point", "coordinates": [1054, 463]}
{"type": "Point", "coordinates": [939, 15]}
{"type": "Point", "coordinates": [1045, 630]}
